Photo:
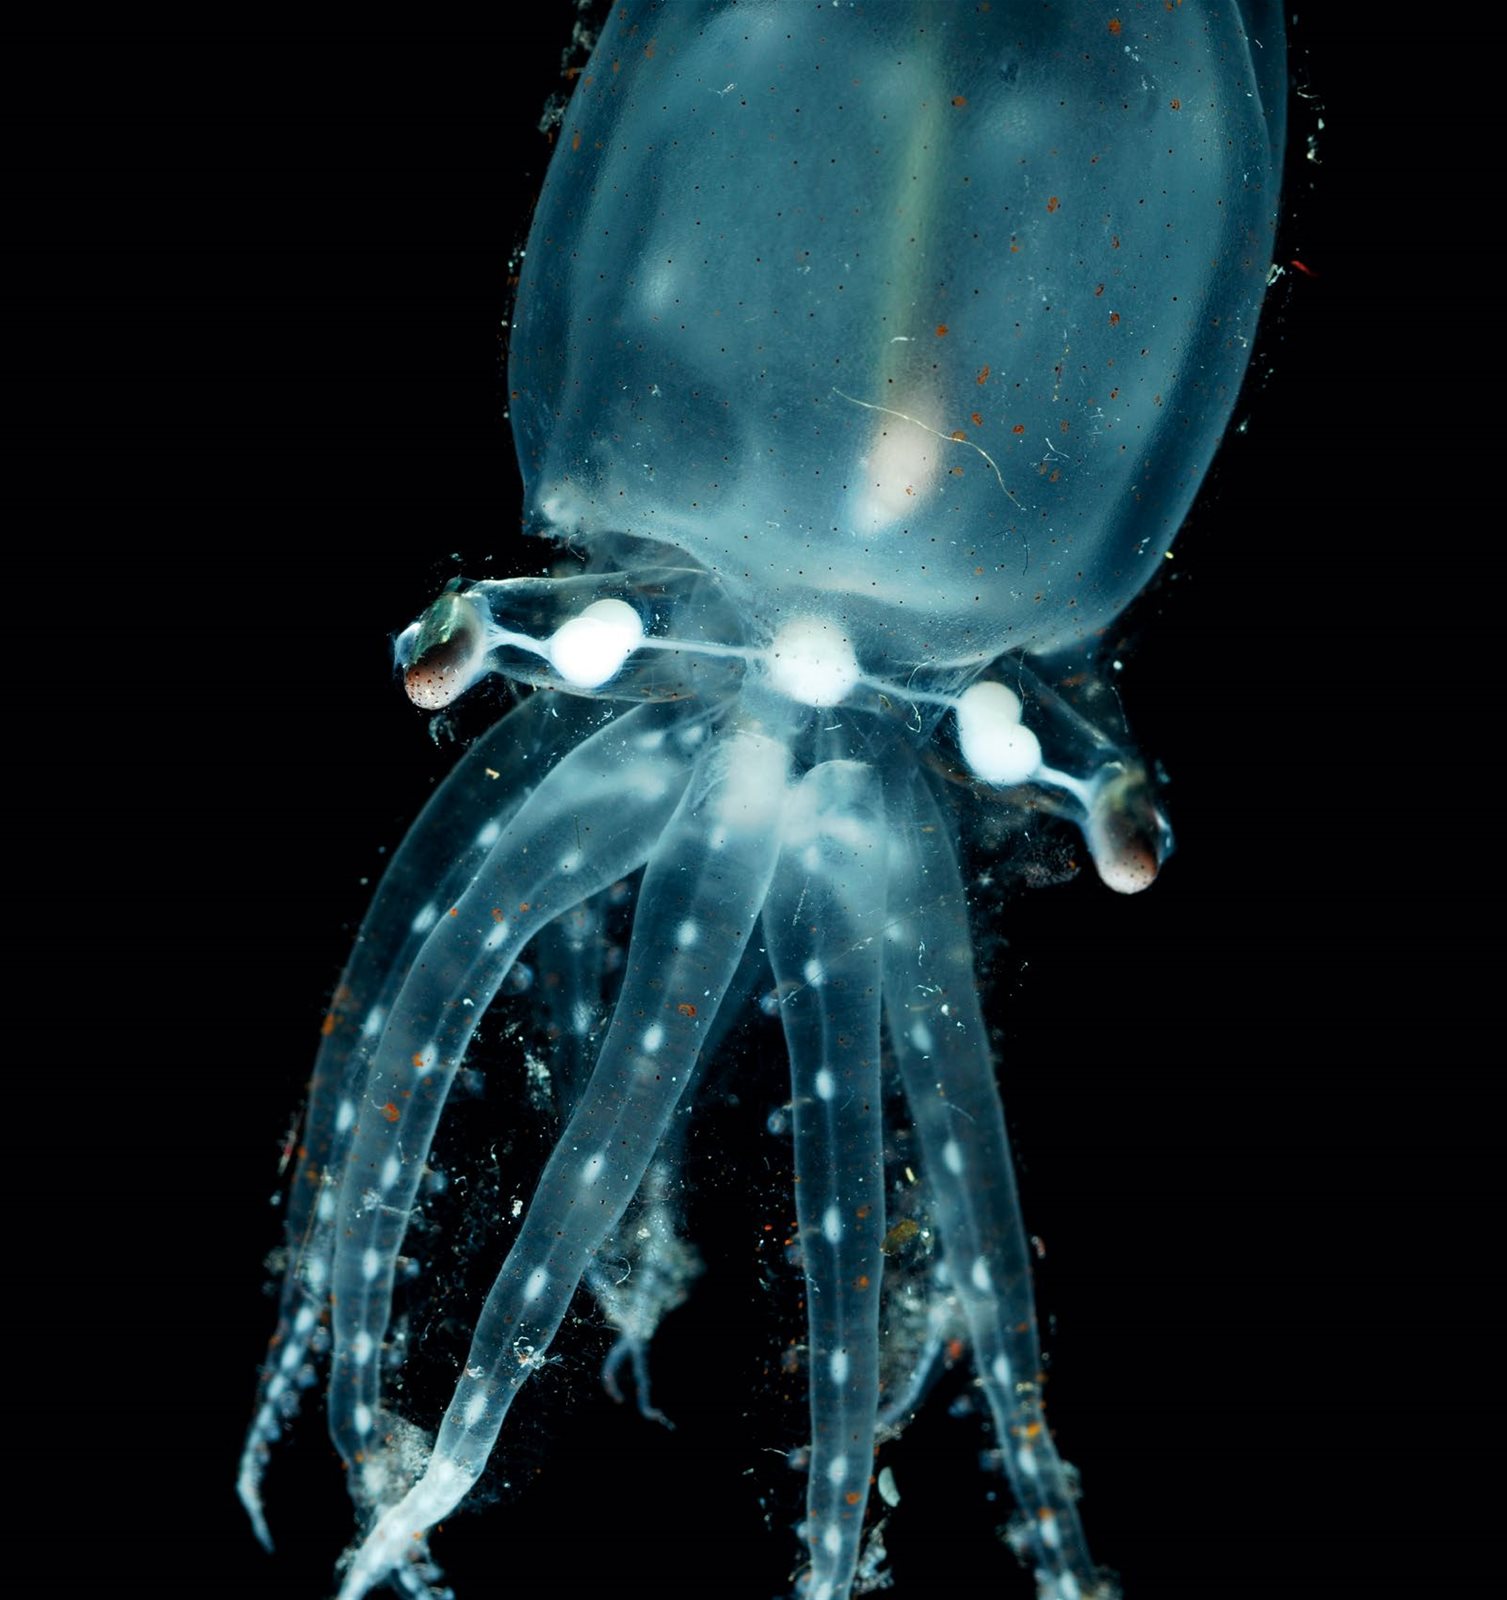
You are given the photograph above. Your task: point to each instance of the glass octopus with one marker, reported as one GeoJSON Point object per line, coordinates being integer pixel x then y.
{"type": "Point", "coordinates": [863, 354]}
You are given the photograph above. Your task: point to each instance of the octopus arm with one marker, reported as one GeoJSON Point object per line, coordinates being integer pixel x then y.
{"type": "Point", "coordinates": [941, 1046]}
{"type": "Point", "coordinates": [824, 926]}
{"type": "Point", "coordinates": [704, 886]}
{"type": "Point", "coordinates": [427, 871]}
{"type": "Point", "coordinates": [594, 818]}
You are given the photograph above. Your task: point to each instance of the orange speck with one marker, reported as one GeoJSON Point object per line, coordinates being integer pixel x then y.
{"type": "Point", "coordinates": [686, 1009]}
{"type": "Point", "coordinates": [1177, 105]}
{"type": "Point", "coordinates": [390, 1111]}
{"type": "Point", "coordinates": [575, 140]}
{"type": "Point", "coordinates": [1114, 319]}
{"type": "Point", "coordinates": [862, 1281]}
{"type": "Point", "coordinates": [1307, 272]}
{"type": "Point", "coordinates": [497, 915]}
{"type": "Point", "coordinates": [454, 911]}
{"type": "Point", "coordinates": [852, 1497]}
{"type": "Point", "coordinates": [941, 330]}
{"type": "Point", "coordinates": [863, 1211]}
{"type": "Point", "coordinates": [1098, 291]}
{"type": "Point", "coordinates": [523, 905]}
{"type": "Point", "coordinates": [1114, 24]}
{"type": "Point", "coordinates": [328, 1026]}
{"type": "Point", "coordinates": [960, 99]}
{"type": "Point", "coordinates": [1019, 427]}
{"type": "Point", "coordinates": [957, 433]}
{"type": "Point", "coordinates": [1053, 202]}
{"type": "Point", "coordinates": [983, 376]}
{"type": "Point", "coordinates": [418, 1060]}
{"type": "Point", "coordinates": [954, 1349]}
{"type": "Point", "coordinates": [649, 51]}
{"type": "Point", "coordinates": [975, 419]}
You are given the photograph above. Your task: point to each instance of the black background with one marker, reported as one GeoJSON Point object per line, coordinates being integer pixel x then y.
{"type": "Point", "coordinates": [256, 420]}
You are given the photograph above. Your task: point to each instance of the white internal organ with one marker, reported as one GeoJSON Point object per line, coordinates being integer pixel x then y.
{"type": "Point", "coordinates": [591, 648]}
{"type": "Point", "coordinates": [813, 662]}
{"type": "Point", "coordinates": [902, 465]}
{"type": "Point", "coordinates": [994, 743]}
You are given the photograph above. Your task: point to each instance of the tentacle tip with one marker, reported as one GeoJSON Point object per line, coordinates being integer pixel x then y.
{"type": "Point", "coordinates": [248, 1492]}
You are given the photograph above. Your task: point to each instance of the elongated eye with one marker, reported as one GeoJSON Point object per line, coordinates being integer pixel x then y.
{"type": "Point", "coordinates": [443, 653]}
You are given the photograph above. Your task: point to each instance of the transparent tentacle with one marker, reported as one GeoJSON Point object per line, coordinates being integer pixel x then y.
{"type": "Point", "coordinates": [571, 955]}
{"type": "Point", "coordinates": [702, 893]}
{"type": "Point", "coordinates": [595, 817]}
{"type": "Point", "coordinates": [937, 1031]}
{"type": "Point", "coordinates": [436, 860]}
{"type": "Point", "coordinates": [644, 1271]}
{"type": "Point", "coordinates": [824, 928]}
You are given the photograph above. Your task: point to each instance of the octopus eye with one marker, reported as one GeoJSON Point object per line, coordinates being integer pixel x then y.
{"type": "Point", "coordinates": [444, 653]}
